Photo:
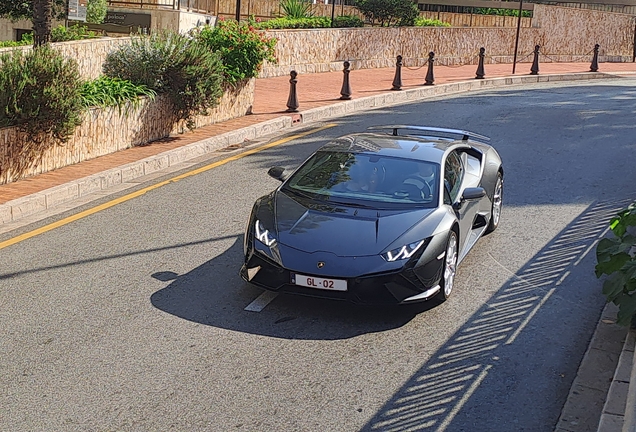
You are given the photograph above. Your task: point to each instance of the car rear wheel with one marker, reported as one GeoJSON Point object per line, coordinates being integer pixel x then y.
{"type": "Point", "coordinates": [497, 203]}
{"type": "Point", "coordinates": [450, 268]}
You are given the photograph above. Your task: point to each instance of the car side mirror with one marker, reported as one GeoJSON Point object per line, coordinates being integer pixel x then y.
{"type": "Point", "coordinates": [277, 172]}
{"type": "Point", "coordinates": [473, 193]}
{"type": "Point", "coordinates": [469, 194]}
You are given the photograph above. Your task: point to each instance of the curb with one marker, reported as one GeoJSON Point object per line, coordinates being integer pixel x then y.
{"type": "Point", "coordinates": [629, 422]}
{"type": "Point", "coordinates": [615, 408]}
{"type": "Point", "coordinates": [39, 202]}
{"type": "Point", "coordinates": [597, 397]}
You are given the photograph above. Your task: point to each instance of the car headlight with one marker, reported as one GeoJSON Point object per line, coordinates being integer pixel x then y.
{"type": "Point", "coordinates": [263, 235]}
{"type": "Point", "coordinates": [403, 252]}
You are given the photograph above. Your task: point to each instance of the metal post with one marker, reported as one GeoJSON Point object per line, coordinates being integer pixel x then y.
{"type": "Point", "coordinates": [480, 67]}
{"type": "Point", "coordinates": [292, 101]}
{"type": "Point", "coordinates": [238, 10]}
{"type": "Point", "coordinates": [397, 79]}
{"type": "Point", "coordinates": [514, 61]}
{"type": "Point", "coordinates": [429, 80]}
{"type": "Point", "coordinates": [345, 91]}
{"type": "Point", "coordinates": [534, 70]}
{"type": "Point", "coordinates": [333, 11]}
{"type": "Point", "coordinates": [594, 65]}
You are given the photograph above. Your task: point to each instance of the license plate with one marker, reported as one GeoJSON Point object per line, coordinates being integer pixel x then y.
{"type": "Point", "coordinates": [319, 283]}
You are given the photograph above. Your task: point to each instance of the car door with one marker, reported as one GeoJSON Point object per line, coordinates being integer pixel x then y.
{"type": "Point", "coordinates": [454, 179]}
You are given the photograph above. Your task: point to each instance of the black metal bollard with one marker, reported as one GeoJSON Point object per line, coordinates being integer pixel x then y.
{"type": "Point", "coordinates": [534, 70]}
{"type": "Point", "coordinates": [594, 65]}
{"type": "Point", "coordinates": [292, 101]}
{"type": "Point", "coordinates": [480, 67]}
{"type": "Point", "coordinates": [429, 80]}
{"type": "Point", "coordinates": [397, 79]}
{"type": "Point", "coordinates": [345, 91]}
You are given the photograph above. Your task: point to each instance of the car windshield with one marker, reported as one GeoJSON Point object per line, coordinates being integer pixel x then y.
{"type": "Point", "coordinates": [359, 178]}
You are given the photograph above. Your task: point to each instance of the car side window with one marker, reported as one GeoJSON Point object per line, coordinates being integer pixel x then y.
{"type": "Point", "coordinates": [453, 176]}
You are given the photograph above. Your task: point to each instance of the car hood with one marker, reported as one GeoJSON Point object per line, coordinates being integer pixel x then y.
{"type": "Point", "coordinates": [340, 229]}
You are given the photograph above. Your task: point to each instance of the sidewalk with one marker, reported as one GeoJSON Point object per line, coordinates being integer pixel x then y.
{"type": "Point", "coordinates": [315, 90]}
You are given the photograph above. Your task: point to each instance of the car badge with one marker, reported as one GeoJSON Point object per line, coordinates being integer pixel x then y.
{"type": "Point", "coordinates": [320, 264]}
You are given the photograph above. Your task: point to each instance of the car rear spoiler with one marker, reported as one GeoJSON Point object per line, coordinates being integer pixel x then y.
{"type": "Point", "coordinates": [464, 134]}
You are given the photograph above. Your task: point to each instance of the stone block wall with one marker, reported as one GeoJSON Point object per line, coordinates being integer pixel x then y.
{"type": "Point", "coordinates": [105, 131]}
{"type": "Point", "coordinates": [89, 53]}
{"type": "Point", "coordinates": [565, 34]}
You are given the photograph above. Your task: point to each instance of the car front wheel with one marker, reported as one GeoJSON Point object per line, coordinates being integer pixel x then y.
{"type": "Point", "coordinates": [450, 267]}
{"type": "Point", "coordinates": [497, 203]}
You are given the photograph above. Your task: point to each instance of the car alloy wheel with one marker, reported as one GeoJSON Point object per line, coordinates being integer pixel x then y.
{"type": "Point", "coordinates": [450, 267]}
{"type": "Point", "coordinates": [497, 203]}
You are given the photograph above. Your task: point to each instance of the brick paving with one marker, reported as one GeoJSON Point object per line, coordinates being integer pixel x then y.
{"type": "Point", "coordinates": [270, 99]}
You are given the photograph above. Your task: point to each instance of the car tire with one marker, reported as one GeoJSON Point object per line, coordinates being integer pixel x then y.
{"type": "Point", "coordinates": [497, 204]}
{"type": "Point", "coordinates": [450, 267]}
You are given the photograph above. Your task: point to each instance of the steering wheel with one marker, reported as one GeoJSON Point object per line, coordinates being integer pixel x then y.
{"type": "Point", "coordinates": [409, 191]}
{"type": "Point", "coordinates": [426, 189]}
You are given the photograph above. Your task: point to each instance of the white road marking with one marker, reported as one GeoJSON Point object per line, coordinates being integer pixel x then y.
{"type": "Point", "coordinates": [261, 301]}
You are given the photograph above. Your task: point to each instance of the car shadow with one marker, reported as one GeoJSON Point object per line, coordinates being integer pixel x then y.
{"type": "Point", "coordinates": [214, 295]}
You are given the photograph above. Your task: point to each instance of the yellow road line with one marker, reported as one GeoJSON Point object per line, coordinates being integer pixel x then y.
{"type": "Point", "coordinates": [140, 192]}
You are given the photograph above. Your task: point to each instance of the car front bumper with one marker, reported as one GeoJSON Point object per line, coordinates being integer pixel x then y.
{"type": "Point", "coordinates": [415, 280]}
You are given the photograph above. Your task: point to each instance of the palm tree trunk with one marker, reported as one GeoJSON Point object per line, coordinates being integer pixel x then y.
{"type": "Point", "coordinates": [41, 22]}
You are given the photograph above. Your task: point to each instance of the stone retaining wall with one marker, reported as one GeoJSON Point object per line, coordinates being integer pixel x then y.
{"type": "Point", "coordinates": [104, 131]}
{"type": "Point", "coordinates": [564, 34]}
{"type": "Point", "coordinates": [90, 54]}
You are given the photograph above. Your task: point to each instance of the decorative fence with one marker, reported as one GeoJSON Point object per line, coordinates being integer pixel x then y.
{"type": "Point", "coordinates": [227, 8]}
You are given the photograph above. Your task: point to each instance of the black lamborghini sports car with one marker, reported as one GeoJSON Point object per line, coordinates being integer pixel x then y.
{"type": "Point", "coordinates": [378, 217]}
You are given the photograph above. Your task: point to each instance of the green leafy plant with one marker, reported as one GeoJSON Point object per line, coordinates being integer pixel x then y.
{"type": "Point", "coordinates": [39, 95]}
{"type": "Point", "coordinates": [426, 22]}
{"type": "Point", "coordinates": [503, 12]}
{"type": "Point", "coordinates": [389, 12]}
{"type": "Point", "coordinates": [8, 44]}
{"type": "Point", "coordinates": [296, 9]}
{"type": "Point", "coordinates": [96, 11]}
{"type": "Point", "coordinates": [242, 48]}
{"type": "Point", "coordinates": [181, 67]}
{"type": "Point", "coordinates": [348, 21]}
{"type": "Point", "coordinates": [294, 23]}
{"type": "Point", "coordinates": [75, 32]}
{"type": "Point", "coordinates": [107, 92]}
{"type": "Point", "coordinates": [616, 258]}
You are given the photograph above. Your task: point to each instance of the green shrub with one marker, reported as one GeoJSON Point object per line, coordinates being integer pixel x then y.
{"type": "Point", "coordinates": [426, 22]}
{"type": "Point", "coordinates": [243, 49]}
{"type": "Point", "coordinates": [96, 11]}
{"type": "Point", "coordinates": [616, 258]}
{"type": "Point", "coordinates": [27, 39]}
{"type": "Point", "coordinates": [503, 12]}
{"type": "Point", "coordinates": [296, 9]}
{"type": "Point", "coordinates": [389, 12]}
{"type": "Point", "coordinates": [39, 93]}
{"type": "Point", "coordinates": [294, 23]}
{"type": "Point", "coordinates": [167, 62]}
{"type": "Point", "coordinates": [75, 32]}
{"type": "Point", "coordinates": [7, 44]}
{"type": "Point", "coordinates": [348, 21]}
{"type": "Point", "coordinates": [106, 92]}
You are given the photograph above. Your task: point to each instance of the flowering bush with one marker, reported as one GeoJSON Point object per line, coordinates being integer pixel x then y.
{"type": "Point", "coordinates": [242, 47]}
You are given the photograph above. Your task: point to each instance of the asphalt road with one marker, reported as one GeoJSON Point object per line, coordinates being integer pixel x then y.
{"type": "Point", "coordinates": [133, 318]}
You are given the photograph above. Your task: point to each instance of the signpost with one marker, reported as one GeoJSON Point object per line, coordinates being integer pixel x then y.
{"type": "Point", "coordinates": [77, 10]}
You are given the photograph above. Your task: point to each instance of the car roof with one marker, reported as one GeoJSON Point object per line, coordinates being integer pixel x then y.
{"type": "Point", "coordinates": [423, 148]}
